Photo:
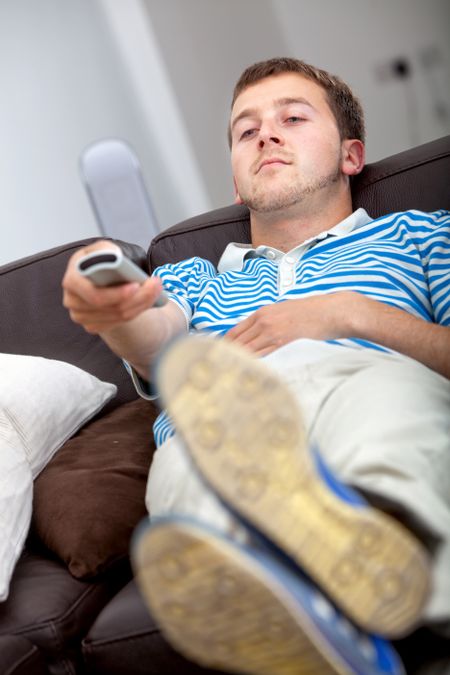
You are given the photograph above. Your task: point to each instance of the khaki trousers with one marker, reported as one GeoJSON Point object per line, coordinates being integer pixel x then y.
{"type": "Point", "coordinates": [381, 422]}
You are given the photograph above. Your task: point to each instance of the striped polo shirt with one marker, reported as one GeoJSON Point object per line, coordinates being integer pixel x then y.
{"type": "Point", "coordinates": [402, 259]}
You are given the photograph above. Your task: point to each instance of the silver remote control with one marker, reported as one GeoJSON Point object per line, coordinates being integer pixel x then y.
{"type": "Point", "coordinates": [111, 268]}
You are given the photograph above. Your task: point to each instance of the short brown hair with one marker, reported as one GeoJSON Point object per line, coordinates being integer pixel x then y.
{"type": "Point", "coordinates": [344, 105]}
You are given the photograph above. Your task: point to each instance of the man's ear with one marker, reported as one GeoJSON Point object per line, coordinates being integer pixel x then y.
{"type": "Point", "coordinates": [353, 156]}
{"type": "Point", "coordinates": [237, 197]}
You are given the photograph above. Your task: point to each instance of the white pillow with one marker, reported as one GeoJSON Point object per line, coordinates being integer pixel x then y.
{"type": "Point", "coordinates": [42, 403]}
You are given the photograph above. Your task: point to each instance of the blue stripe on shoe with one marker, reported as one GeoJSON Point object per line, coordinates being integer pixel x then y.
{"type": "Point", "coordinates": [344, 492]}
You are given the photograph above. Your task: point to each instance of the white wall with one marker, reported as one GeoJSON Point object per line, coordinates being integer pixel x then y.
{"type": "Point", "coordinates": [159, 73]}
{"type": "Point", "coordinates": [206, 45]}
{"type": "Point", "coordinates": [65, 82]}
{"type": "Point", "coordinates": [356, 39]}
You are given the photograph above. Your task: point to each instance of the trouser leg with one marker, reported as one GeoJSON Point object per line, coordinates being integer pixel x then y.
{"type": "Point", "coordinates": [382, 423]}
{"type": "Point", "coordinates": [175, 487]}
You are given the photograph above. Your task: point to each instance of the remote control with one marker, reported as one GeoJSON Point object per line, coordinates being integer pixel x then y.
{"type": "Point", "coordinates": [111, 268]}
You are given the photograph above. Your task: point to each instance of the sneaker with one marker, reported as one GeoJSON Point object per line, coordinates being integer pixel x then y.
{"type": "Point", "coordinates": [229, 607]}
{"type": "Point", "coordinates": [243, 429]}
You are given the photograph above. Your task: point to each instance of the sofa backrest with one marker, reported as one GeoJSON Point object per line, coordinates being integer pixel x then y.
{"type": "Point", "coordinates": [415, 179]}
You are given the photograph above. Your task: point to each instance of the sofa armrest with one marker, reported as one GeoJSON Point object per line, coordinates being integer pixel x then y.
{"type": "Point", "coordinates": [34, 321]}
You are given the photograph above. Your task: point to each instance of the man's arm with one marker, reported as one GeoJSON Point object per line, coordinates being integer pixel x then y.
{"type": "Point", "coordinates": [346, 314]}
{"type": "Point", "coordinates": [123, 316]}
{"type": "Point", "coordinates": [428, 343]}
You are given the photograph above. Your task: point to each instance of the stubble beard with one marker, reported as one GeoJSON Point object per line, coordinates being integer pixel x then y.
{"type": "Point", "coordinates": [267, 199]}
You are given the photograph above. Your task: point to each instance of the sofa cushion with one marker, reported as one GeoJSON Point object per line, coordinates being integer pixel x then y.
{"type": "Point", "coordinates": [125, 639]}
{"type": "Point", "coordinates": [19, 657]}
{"type": "Point", "coordinates": [52, 610]}
{"type": "Point", "coordinates": [42, 403]}
{"type": "Point", "coordinates": [88, 500]}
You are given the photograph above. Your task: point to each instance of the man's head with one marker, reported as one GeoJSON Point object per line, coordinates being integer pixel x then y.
{"type": "Point", "coordinates": [344, 105]}
{"type": "Point", "coordinates": [296, 136]}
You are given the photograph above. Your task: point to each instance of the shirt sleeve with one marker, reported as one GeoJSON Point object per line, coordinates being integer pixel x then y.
{"type": "Point", "coordinates": [185, 282]}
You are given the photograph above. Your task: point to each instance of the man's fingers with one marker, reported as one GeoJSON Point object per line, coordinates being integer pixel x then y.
{"type": "Point", "coordinates": [244, 332]}
{"type": "Point", "coordinates": [86, 294]}
{"type": "Point", "coordinates": [252, 339]}
{"type": "Point", "coordinates": [264, 352]}
{"type": "Point", "coordinates": [259, 346]}
{"type": "Point", "coordinates": [100, 308]}
{"type": "Point", "coordinates": [241, 327]}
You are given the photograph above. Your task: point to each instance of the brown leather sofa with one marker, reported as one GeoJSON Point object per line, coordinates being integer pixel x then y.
{"type": "Point", "coordinates": [73, 607]}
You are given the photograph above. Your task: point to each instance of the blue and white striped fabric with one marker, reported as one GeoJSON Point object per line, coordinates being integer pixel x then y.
{"type": "Point", "coordinates": [402, 259]}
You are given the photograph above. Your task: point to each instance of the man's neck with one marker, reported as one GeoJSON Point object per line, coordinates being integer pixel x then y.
{"type": "Point", "coordinates": [285, 231]}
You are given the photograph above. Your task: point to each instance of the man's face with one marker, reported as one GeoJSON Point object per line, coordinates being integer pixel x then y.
{"type": "Point", "coordinates": [285, 143]}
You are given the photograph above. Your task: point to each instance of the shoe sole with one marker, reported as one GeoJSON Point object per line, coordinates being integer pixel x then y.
{"type": "Point", "coordinates": [221, 609]}
{"type": "Point", "coordinates": [243, 429]}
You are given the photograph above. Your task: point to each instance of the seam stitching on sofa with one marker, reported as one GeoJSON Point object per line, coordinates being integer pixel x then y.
{"type": "Point", "coordinates": [90, 644]}
{"type": "Point", "coordinates": [51, 623]}
{"type": "Point", "coordinates": [27, 657]}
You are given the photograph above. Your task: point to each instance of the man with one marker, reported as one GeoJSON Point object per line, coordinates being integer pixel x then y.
{"type": "Point", "coordinates": [351, 317]}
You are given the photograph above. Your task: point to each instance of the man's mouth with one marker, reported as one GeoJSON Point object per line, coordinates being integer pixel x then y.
{"type": "Point", "coordinates": [269, 161]}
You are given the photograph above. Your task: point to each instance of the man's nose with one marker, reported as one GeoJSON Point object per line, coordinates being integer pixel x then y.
{"type": "Point", "coordinates": [269, 135]}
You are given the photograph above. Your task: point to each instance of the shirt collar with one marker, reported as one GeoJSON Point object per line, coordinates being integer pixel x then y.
{"type": "Point", "coordinates": [232, 258]}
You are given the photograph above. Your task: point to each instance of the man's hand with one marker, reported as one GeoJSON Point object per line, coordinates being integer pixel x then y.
{"type": "Point", "coordinates": [321, 317]}
{"type": "Point", "coordinates": [122, 315]}
{"type": "Point", "coordinates": [346, 314]}
{"type": "Point", "coordinates": [101, 309]}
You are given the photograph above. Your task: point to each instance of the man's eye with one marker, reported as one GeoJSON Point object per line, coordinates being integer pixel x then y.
{"type": "Point", "coordinates": [295, 118]}
{"type": "Point", "coordinates": [247, 133]}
